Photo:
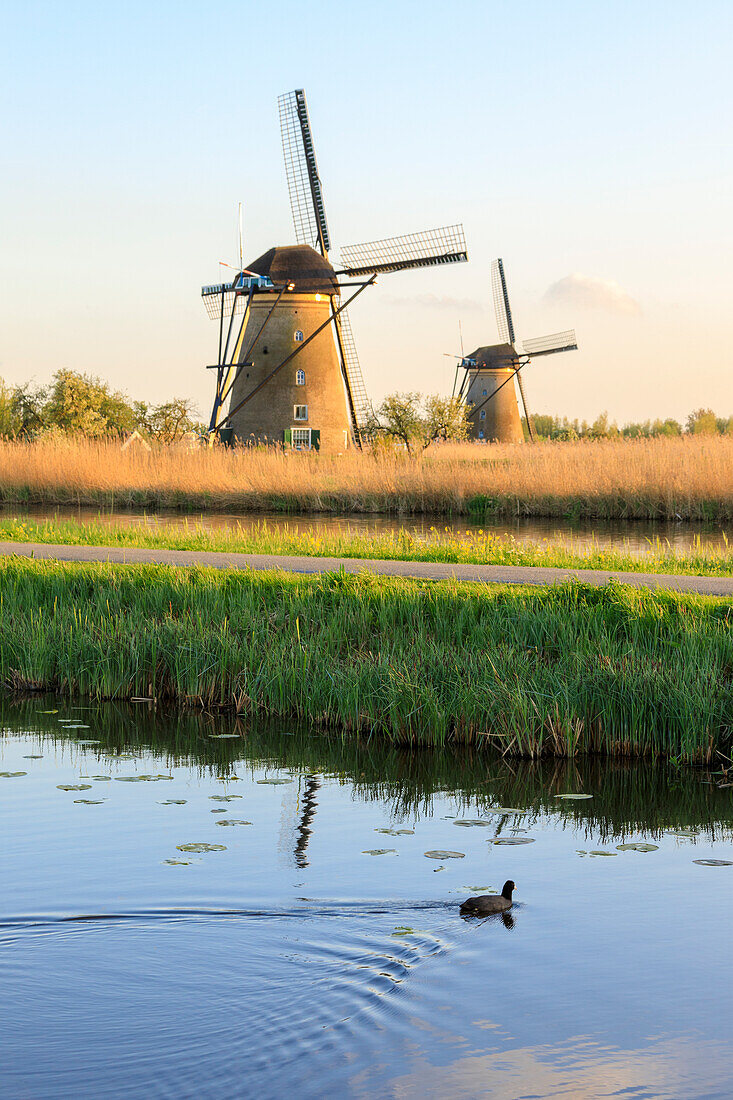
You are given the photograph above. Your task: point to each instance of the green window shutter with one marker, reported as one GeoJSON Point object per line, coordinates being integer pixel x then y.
{"type": "Point", "coordinates": [288, 436]}
{"type": "Point", "coordinates": [315, 439]}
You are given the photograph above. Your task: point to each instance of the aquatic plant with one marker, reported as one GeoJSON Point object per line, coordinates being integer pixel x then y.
{"type": "Point", "coordinates": [562, 670]}
{"type": "Point", "coordinates": [688, 477]}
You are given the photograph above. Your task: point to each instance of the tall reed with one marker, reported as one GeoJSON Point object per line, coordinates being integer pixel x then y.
{"type": "Point", "coordinates": [561, 671]}
{"type": "Point", "coordinates": [690, 478]}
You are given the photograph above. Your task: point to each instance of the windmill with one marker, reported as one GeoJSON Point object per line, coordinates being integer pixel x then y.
{"type": "Point", "coordinates": [287, 360]}
{"type": "Point", "coordinates": [487, 386]}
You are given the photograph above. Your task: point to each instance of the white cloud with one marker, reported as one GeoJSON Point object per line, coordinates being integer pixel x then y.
{"type": "Point", "coordinates": [590, 292]}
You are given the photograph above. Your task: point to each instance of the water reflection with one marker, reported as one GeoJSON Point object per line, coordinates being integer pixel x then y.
{"type": "Point", "coordinates": [639, 537]}
{"type": "Point", "coordinates": [285, 960]}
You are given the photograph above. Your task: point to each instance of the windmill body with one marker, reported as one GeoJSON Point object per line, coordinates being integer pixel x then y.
{"type": "Point", "coordinates": [287, 365]}
{"type": "Point", "coordinates": [491, 398]}
{"type": "Point", "coordinates": [306, 406]}
{"type": "Point", "coordinates": [493, 373]}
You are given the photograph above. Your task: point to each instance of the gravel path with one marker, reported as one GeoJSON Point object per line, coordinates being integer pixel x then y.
{"type": "Point", "coordinates": [434, 571]}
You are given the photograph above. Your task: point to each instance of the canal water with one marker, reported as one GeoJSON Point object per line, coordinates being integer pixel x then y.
{"type": "Point", "coordinates": [207, 907]}
{"type": "Point", "coordinates": [638, 537]}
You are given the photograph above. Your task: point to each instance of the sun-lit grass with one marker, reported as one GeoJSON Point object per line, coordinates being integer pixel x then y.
{"type": "Point", "coordinates": [439, 544]}
{"type": "Point", "coordinates": [690, 478]}
{"type": "Point", "coordinates": [563, 670]}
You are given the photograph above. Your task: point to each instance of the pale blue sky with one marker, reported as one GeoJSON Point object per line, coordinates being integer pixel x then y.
{"type": "Point", "coordinates": [586, 143]}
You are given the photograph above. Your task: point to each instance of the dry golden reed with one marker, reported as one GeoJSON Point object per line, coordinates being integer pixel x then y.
{"type": "Point", "coordinates": [690, 478]}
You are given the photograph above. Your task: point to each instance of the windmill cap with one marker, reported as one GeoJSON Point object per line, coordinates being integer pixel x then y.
{"type": "Point", "coordinates": [298, 264]}
{"type": "Point", "coordinates": [495, 355]}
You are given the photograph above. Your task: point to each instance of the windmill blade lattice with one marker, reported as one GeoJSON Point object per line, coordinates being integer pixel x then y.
{"type": "Point", "coordinates": [355, 379]}
{"type": "Point", "coordinates": [551, 345]}
{"type": "Point", "coordinates": [502, 308]}
{"type": "Point", "coordinates": [301, 170]}
{"type": "Point", "coordinates": [430, 248]}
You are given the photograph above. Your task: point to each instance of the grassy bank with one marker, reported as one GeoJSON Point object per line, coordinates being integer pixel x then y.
{"type": "Point", "coordinates": [566, 670]}
{"type": "Point", "coordinates": [690, 478]}
{"type": "Point", "coordinates": [440, 544]}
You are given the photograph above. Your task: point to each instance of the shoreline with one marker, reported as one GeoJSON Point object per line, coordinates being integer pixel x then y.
{"type": "Point", "coordinates": [566, 670]}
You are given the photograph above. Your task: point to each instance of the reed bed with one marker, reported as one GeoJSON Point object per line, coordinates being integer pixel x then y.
{"type": "Point", "coordinates": [440, 544]}
{"type": "Point", "coordinates": [690, 478]}
{"type": "Point", "coordinates": [561, 671]}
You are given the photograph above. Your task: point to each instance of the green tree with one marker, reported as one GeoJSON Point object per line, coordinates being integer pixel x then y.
{"type": "Point", "coordinates": [167, 423]}
{"type": "Point", "coordinates": [702, 422]}
{"type": "Point", "coordinates": [80, 404]}
{"type": "Point", "coordinates": [417, 422]}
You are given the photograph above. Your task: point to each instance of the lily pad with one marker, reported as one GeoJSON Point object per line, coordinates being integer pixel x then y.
{"type": "Point", "coordinates": [178, 862]}
{"type": "Point", "coordinates": [223, 797]}
{"type": "Point", "coordinates": [396, 832]}
{"type": "Point", "coordinates": [89, 801]}
{"type": "Point", "coordinates": [11, 775]}
{"type": "Point", "coordinates": [73, 786]}
{"type": "Point", "coordinates": [438, 853]}
{"type": "Point", "coordinates": [637, 847]}
{"type": "Point", "coordinates": [232, 821]}
{"type": "Point", "coordinates": [573, 797]}
{"type": "Point", "coordinates": [101, 778]}
{"type": "Point", "coordinates": [512, 840]}
{"type": "Point", "coordinates": [373, 851]}
{"type": "Point", "coordinates": [469, 822]}
{"type": "Point", "coordinates": [686, 834]}
{"type": "Point", "coordinates": [34, 756]}
{"type": "Point", "coordinates": [274, 782]}
{"type": "Point", "coordinates": [505, 810]}
{"type": "Point", "coordinates": [88, 742]}
{"type": "Point", "coordinates": [600, 853]}
{"type": "Point", "coordinates": [221, 810]}
{"type": "Point", "coordinates": [76, 726]}
{"type": "Point", "coordinates": [224, 736]}
{"type": "Point", "coordinates": [138, 778]}
{"type": "Point", "coordinates": [477, 889]}
{"type": "Point", "coordinates": [48, 712]}
{"type": "Point", "coordinates": [714, 862]}
{"type": "Point", "coordinates": [201, 847]}
{"type": "Point", "coordinates": [174, 802]}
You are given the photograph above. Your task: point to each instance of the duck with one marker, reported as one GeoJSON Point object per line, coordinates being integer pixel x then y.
{"type": "Point", "coordinates": [486, 904]}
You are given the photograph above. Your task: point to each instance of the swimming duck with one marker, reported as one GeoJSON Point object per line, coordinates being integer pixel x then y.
{"type": "Point", "coordinates": [486, 904]}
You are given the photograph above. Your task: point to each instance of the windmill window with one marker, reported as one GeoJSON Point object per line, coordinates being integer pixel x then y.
{"type": "Point", "coordinates": [301, 437]}
{"type": "Point", "coordinates": [300, 412]}
{"type": "Point", "coordinates": [481, 435]}
{"type": "Point", "coordinates": [483, 393]}
{"type": "Point", "coordinates": [298, 336]}
{"type": "Point", "coordinates": [482, 414]}
{"type": "Point", "coordinates": [300, 378]}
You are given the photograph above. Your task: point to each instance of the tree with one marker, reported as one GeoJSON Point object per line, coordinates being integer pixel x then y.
{"type": "Point", "coordinates": [702, 422]}
{"type": "Point", "coordinates": [417, 422]}
{"type": "Point", "coordinates": [167, 423]}
{"type": "Point", "coordinates": [80, 404]}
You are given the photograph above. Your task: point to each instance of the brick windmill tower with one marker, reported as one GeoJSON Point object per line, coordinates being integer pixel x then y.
{"type": "Point", "coordinates": [287, 361]}
{"type": "Point", "coordinates": [488, 384]}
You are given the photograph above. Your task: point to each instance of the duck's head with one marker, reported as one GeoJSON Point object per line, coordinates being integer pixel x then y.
{"type": "Point", "coordinates": [507, 889]}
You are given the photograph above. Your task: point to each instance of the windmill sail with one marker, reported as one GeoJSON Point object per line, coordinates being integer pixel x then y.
{"type": "Point", "coordinates": [301, 170]}
{"type": "Point", "coordinates": [427, 249]}
{"type": "Point", "coordinates": [502, 309]}
{"type": "Point", "coordinates": [358, 399]}
{"type": "Point", "coordinates": [551, 345]}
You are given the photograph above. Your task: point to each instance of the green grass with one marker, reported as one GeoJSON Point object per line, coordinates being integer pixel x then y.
{"type": "Point", "coordinates": [563, 670]}
{"type": "Point", "coordinates": [439, 545]}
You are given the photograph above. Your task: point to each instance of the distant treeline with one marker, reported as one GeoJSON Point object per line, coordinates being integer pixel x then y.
{"type": "Point", "coordinates": [77, 404]}
{"type": "Point", "coordinates": [699, 422]}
